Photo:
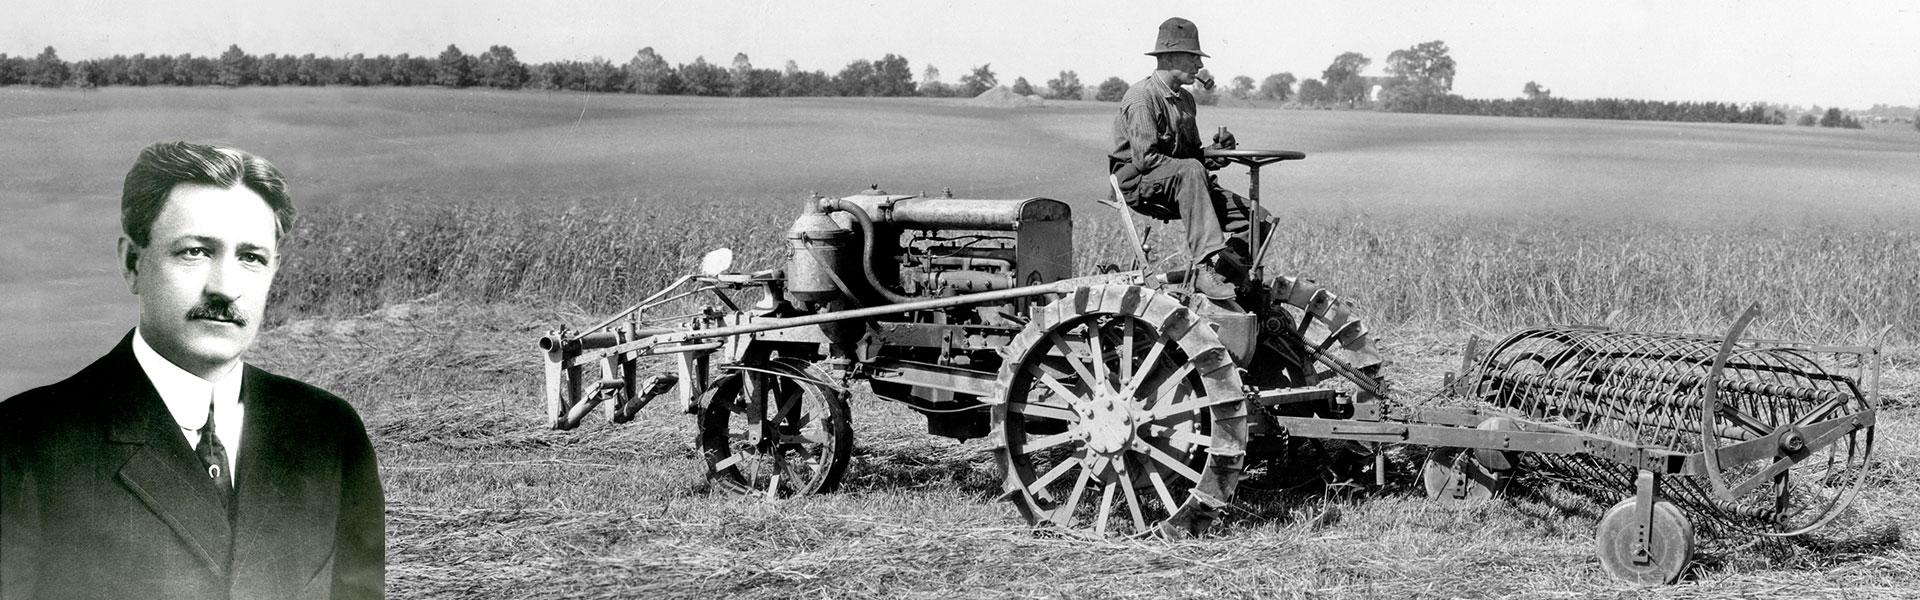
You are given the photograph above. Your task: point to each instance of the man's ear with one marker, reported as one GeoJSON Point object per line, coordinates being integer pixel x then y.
{"type": "Point", "coordinates": [130, 263]}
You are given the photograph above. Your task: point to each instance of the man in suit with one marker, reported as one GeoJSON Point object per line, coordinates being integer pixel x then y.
{"type": "Point", "coordinates": [168, 468]}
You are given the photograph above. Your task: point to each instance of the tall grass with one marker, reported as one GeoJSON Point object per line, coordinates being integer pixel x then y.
{"type": "Point", "coordinates": [1839, 283]}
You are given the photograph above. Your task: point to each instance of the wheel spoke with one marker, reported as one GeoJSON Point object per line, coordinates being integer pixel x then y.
{"type": "Point", "coordinates": [1060, 389]}
{"type": "Point", "coordinates": [1044, 411]}
{"type": "Point", "coordinates": [1043, 443]}
{"type": "Point", "coordinates": [1064, 514]}
{"type": "Point", "coordinates": [1102, 381]}
{"type": "Point", "coordinates": [1073, 358]}
{"type": "Point", "coordinates": [1167, 460]}
{"type": "Point", "coordinates": [1039, 486]}
{"type": "Point", "coordinates": [1160, 489]}
{"type": "Point", "coordinates": [1106, 507]}
{"type": "Point", "coordinates": [806, 436]}
{"type": "Point", "coordinates": [1146, 370]}
{"type": "Point", "coordinates": [1133, 497]}
{"type": "Point", "coordinates": [1156, 397]}
{"type": "Point", "coordinates": [1197, 403]}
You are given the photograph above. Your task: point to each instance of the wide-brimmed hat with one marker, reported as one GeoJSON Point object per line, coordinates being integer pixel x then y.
{"type": "Point", "coordinates": [1178, 35]}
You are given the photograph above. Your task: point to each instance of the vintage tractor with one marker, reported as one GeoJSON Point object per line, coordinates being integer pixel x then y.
{"type": "Point", "coordinates": [1123, 403]}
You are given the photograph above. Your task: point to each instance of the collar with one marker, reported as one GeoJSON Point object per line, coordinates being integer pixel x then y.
{"type": "Point", "coordinates": [1165, 90]}
{"type": "Point", "coordinates": [186, 394]}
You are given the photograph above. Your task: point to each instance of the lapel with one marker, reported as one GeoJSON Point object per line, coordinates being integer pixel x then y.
{"type": "Point", "coordinates": [161, 470]}
{"type": "Point", "coordinates": [283, 483]}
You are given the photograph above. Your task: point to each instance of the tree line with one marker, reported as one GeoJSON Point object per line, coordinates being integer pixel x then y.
{"type": "Point", "coordinates": [1418, 79]}
{"type": "Point", "coordinates": [646, 73]}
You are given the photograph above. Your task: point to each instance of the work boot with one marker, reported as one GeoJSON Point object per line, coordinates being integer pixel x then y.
{"type": "Point", "coordinates": [1211, 283]}
{"type": "Point", "coordinates": [1230, 263]}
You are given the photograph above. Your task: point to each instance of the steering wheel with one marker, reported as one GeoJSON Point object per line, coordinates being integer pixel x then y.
{"type": "Point", "coordinates": [1253, 158]}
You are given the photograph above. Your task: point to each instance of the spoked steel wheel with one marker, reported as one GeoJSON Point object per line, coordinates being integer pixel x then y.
{"type": "Point", "coordinates": [1123, 414]}
{"type": "Point", "coordinates": [775, 429]}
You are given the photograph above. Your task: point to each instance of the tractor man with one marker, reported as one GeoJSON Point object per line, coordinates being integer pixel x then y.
{"type": "Point", "coordinates": [1158, 162]}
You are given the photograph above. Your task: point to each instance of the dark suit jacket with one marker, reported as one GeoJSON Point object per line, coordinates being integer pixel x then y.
{"type": "Point", "coordinates": [102, 497]}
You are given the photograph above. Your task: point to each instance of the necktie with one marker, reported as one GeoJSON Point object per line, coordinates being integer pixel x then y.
{"type": "Point", "coordinates": [213, 455]}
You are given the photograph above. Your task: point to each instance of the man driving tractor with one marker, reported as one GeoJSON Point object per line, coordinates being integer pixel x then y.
{"type": "Point", "coordinates": [1158, 162]}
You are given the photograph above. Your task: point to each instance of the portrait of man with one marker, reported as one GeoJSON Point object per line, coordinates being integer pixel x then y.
{"type": "Point", "coordinates": [170, 468]}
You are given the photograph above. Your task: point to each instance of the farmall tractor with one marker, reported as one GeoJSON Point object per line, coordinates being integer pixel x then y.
{"type": "Point", "coordinates": [1123, 403]}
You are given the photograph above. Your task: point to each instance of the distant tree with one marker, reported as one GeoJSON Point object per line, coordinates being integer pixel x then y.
{"type": "Point", "coordinates": [88, 74]}
{"type": "Point", "coordinates": [704, 79]}
{"type": "Point", "coordinates": [1418, 77]}
{"type": "Point", "coordinates": [1021, 87]}
{"type": "Point", "coordinates": [48, 70]}
{"type": "Point", "coordinates": [1111, 90]}
{"type": "Point", "coordinates": [1916, 116]}
{"type": "Point", "coordinates": [795, 82]}
{"type": "Point", "coordinates": [600, 75]}
{"type": "Point", "coordinates": [855, 79]}
{"type": "Point", "coordinates": [1835, 118]}
{"type": "Point", "coordinates": [235, 66]}
{"type": "Point", "coordinates": [454, 69]}
{"type": "Point", "coordinates": [930, 84]}
{"type": "Point", "coordinates": [1066, 86]}
{"type": "Point", "coordinates": [1535, 92]}
{"type": "Point", "coordinates": [359, 72]}
{"type": "Point", "coordinates": [1314, 92]}
{"type": "Point", "coordinates": [893, 76]}
{"type": "Point", "coordinates": [758, 83]}
{"type": "Point", "coordinates": [499, 68]}
{"type": "Point", "coordinates": [1427, 67]}
{"type": "Point", "coordinates": [1808, 120]}
{"type": "Point", "coordinates": [182, 69]}
{"type": "Point", "coordinates": [1242, 88]}
{"type": "Point", "coordinates": [740, 71]}
{"type": "Point", "coordinates": [979, 81]}
{"type": "Point", "coordinates": [1278, 86]}
{"type": "Point", "coordinates": [1343, 77]}
{"type": "Point", "coordinates": [647, 72]}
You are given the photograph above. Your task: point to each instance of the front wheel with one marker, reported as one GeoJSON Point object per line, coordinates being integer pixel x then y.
{"type": "Point", "coordinates": [775, 428]}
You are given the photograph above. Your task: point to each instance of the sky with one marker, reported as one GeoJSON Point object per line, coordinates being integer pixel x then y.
{"type": "Point", "coordinates": [1849, 54]}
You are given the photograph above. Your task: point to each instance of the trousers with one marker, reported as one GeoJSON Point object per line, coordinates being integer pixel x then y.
{"type": "Point", "coordinates": [1182, 188]}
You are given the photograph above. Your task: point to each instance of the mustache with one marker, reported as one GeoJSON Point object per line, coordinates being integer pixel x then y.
{"type": "Point", "coordinates": [216, 309]}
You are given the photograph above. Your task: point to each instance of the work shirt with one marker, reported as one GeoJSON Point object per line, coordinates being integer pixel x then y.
{"type": "Point", "coordinates": [187, 395]}
{"type": "Point", "coordinates": [1156, 123]}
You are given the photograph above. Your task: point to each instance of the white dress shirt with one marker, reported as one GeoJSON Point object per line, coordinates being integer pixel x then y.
{"type": "Point", "coordinates": [186, 396]}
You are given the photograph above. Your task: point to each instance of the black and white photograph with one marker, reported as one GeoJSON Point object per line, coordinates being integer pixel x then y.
{"type": "Point", "coordinates": [853, 299]}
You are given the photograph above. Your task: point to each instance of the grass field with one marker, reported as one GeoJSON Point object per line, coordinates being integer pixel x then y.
{"type": "Point", "coordinates": [443, 230]}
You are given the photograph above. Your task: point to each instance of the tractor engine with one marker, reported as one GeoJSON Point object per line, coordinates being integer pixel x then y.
{"type": "Point", "coordinates": [873, 249]}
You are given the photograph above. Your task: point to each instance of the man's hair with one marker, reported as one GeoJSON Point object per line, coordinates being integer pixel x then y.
{"type": "Point", "coordinates": [167, 164]}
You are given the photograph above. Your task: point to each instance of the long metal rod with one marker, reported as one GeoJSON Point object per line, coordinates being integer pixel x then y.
{"type": "Point", "coordinates": [1063, 286]}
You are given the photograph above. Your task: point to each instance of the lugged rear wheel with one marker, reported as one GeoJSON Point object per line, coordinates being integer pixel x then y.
{"type": "Point", "coordinates": [1122, 414]}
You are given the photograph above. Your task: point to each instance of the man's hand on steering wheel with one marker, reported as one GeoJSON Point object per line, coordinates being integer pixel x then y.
{"type": "Point", "coordinates": [1222, 140]}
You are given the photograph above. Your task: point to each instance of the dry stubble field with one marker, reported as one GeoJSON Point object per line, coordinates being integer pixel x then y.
{"type": "Point", "coordinates": [443, 230]}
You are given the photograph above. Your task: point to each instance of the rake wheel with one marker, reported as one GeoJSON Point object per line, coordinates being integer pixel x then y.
{"type": "Point", "coordinates": [1657, 558]}
{"type": "Point", "coordinates": [1121, 413]}
{"type": "Point", "coordinates": [775, 429]}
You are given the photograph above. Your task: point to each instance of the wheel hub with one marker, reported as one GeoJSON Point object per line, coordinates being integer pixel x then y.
{"type": "Point", "coordinates": [1110, 423]}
